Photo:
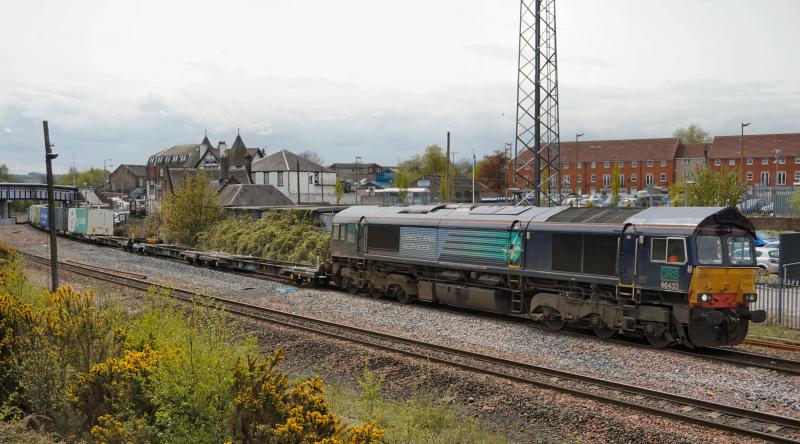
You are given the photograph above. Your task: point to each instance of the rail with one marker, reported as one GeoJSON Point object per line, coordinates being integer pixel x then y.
{"type": "Point", "coordinates": [729, 418]}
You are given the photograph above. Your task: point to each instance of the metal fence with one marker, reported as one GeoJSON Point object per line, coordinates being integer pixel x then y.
{"type": "Point", "coordinates": [759, 200]}
{"type": "Point", "coordinates": [781, 301]}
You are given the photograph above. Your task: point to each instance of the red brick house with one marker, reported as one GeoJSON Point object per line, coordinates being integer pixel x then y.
{"type": "Point", "coordinates": [588, 167]}
{"type": "Point", "coordinates": [770, 159]}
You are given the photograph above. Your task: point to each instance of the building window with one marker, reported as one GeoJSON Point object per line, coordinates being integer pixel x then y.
{"type": "Point", "coordinates": [749, 160]}
{"type": "Point", "coordinates": [686, 176]}
{"type": "Point", "coordinates": [765, 178]}
{"type": "Point", "coordinates": [687, 161]}
{"type": "Point", "coordinates": [649, 163]}
{"type": "Point", "coordinates": [578, 178]}
{"type": "Point", "coordinates": [280, 178]}
{"type": "Point", "coordinates": [579, 165]}
{"type": "Point", "coordinates": [310, 179]}
{"type": "Point", "coordinates": [703, 162]}
{"type": "Point", "coordinates": [566, 181]}
{"type": "Point", "coordinates": [622, 180]}
{"type": "Point", "coordinates": [765, 161]}
{"type": "Point", "coordinates": [663, 163]}
{"type": "Point", "coordinates": [633, 178]}
{"type": "Point", "coordinates": [594, 165]}
{"type": "Point", "coordinates": [797, 160]}
{"type": "Point", "coordinates": [606, 180]}
{"type": "Point", "coordinates": [781, 177]}
{"type": "Point", "coordinates": [621, 163]}
{"type": "Point", "coordinates": [663, 177]}
{"type": "Point", "coordinates": [782, 160]}
{"type": "Point", "coordinates": [634, 163]}
{"type": "Point", "coordinates": [750, 176]}
{"type": "Point", "coordinates": [266, 178]}
{"type": "Point", "coordinates": [648, 179]}
{"type": "Point", "coordinates": [797, 177]}
{"type": "Point", "coordinates": [731, 162]}
{"type": "Point", "coordinates": [606, 164]}
{"type": "Point", "coordinates": [594, 178]}
{"type": "Point", "coordinates": [316, 178]}
{"type": "Point", "coordinates": [717, 162]}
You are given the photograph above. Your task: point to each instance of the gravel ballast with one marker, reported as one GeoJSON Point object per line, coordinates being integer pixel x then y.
{"type": "Point", "coordinates": [696, 377]}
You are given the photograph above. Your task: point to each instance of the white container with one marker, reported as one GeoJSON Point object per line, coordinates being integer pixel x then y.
{"type": "Point", "coordinates": [101, 222]}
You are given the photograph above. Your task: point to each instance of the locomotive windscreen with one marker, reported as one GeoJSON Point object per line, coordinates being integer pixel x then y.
{"type": "Point", "coordinates": [588, 254]}
{"type": "Point", "coordinates": [383, 237]}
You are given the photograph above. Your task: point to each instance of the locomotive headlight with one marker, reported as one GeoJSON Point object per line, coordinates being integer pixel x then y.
{"type": "Point", "coordinates": [704, 297]}
{"type": "Point", "coordinates": [750, 297]}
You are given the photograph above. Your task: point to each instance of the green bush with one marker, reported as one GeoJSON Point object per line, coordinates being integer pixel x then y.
{"type": "Point", "coordinates": [285, 235]}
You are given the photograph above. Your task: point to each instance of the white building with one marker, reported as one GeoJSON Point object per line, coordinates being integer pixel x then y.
{"type": "Point", "coordinates": [287, 171]}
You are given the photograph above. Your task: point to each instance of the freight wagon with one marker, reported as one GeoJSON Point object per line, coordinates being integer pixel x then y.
{"type": "Point", "coordinates": [76, 221]}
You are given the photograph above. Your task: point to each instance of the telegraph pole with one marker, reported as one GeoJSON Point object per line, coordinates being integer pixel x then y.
{"type": "Point", "coordinates": [447, 170]}
{"type": "Point", "coordinates": [51, 220]}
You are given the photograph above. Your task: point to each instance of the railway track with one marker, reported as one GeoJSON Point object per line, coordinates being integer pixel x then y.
{"type": "Point", "coordinates": [775, 343]}
{"type": "Point", "coordinates": [745, 422]}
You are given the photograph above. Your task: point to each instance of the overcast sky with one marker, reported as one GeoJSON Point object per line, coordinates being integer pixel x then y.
{"type": "Point", "coordinates": [381, 80]}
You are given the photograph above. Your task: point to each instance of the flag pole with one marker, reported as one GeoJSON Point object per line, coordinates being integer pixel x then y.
{"type": "Point", "coordinates": [473, 176]}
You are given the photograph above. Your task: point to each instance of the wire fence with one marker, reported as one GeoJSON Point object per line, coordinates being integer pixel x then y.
{"type": "Point", "coordinates": [759, 200]}
{"type": "Point", "coordinates": [781, 301]}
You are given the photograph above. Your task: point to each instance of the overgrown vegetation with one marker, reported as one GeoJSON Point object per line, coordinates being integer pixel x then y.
{"type": "Point", "coordinates": [716, 188]}
{"type": "Point", "coordinates": [90, 372]}
{"type": "Point", "coordinates": [191, 210]}
{"type": "Point", "coordinates": [289, 235]}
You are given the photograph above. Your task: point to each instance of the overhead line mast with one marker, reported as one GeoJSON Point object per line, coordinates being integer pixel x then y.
{"type": "Point", "coordinates": [537, 143]}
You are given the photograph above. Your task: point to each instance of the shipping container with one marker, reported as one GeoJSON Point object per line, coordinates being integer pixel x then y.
{"type": "Point", "coordinates": [78, 220]}
{"type": "Point", "coordinates": [43, 218]}
{"type": "Point", "coordinates": [101, 222]}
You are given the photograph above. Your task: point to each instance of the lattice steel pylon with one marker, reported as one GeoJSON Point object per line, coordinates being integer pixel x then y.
{"type": "Point", "coordinates": [537, 136]}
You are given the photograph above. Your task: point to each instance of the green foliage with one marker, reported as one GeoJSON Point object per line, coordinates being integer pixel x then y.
{"type": "Point", "coordinates": [713, 188]}
{"type": "Point", "coordinates": [425, 417]}
{"type": "Point", "coordinates": [794, 201]}
{"type": "Point", "coordinates": [5, 176]}
{"type": "Point", "coordinates": [192, 210]}
{"type": "Point", "coordinates": [693, 133]}
{"type": "Point", "coordinates": [433, 163]}
{"type": "Point", "coordinates": [288, 235]}
{"type": "Point", "coordinates": [339, 190]}
{"type": "Point", "coordinates": [615, 184]}
{"type": "Point", "coordinates": [93, 177]}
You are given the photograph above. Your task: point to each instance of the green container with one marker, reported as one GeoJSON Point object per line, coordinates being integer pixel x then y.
{"type": "Point", "coordinates": [78, 220]}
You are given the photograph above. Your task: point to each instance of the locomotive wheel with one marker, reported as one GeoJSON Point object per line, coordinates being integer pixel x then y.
{"type": "Point", "coordinates": [375, 292]}
{"type": "Point", "coordinates": [555, 324]}
{"type": "Point", "coordinates": [350, 286]}
{"type": "Point", "coordinates": [602, 331]}
{"type": "Point", "coordinates": [402, 296]}
{"type": "Point", "coordinates": [657, 341]}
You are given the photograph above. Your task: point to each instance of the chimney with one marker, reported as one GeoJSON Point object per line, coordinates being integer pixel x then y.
{"type": "Point", "coordinates": [248, 165]}
{"type": "Point", "coordinates": [222, 146]}
{"type": "Point", "coordinates": [223, 176]}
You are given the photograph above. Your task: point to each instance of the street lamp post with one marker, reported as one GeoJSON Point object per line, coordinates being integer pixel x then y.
{"type": "Point", "coordinates": [777, 153]}
{"type": "Point", "coordinates": [577, 136]}
{"type": "Point", "coordinates": [686, 192]}
{"type": "Point", "coordinates": [105, 170]}
{"type": "Point", "coordinates": [356, 177]}
{"type": "Point", "coordinates": [741, 151]}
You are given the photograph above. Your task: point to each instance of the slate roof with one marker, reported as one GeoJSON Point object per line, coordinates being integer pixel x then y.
{"type": "Point", "coordinates": [610, 150]}
{"type": "Point", "coordinates": [285, 160]}
{"type": "Point", "coordinates": [136, 170]}
{"type": "Point", "coordinates": [691, 151]}
{"type": "Point", "coordinates": [238, 195]}
{"type": "Point", "coordinates": [756, 145]}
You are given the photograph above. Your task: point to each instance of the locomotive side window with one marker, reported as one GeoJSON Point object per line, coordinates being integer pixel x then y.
{"type": "Point", "coordinates": [336, 230]}
{"type": "Point", "coordinates": [351, 233]}
{"type": "Point", "coordinates": [671, 250]}
{"type": "Point", "coordinates": [709, 250]}
{"type": "Point", "coordinates": [740, 251]}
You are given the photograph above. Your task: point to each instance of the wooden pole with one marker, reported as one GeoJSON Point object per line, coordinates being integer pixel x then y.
{"type": "Point", "coordinates": [51, 220]}
{"type": "Point", "coordinates": [447, 170]}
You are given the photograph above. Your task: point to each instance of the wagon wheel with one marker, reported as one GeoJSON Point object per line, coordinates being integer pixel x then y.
{"type": "Point", "coordinates": [350, 286]}
{"type": "Point", "coordinates": [375, 292]}
{"type": "Point", "coordinates": [657, 341]}
{"type": "Point", "coordinates": [603, 331]}
{"type": "Point", "coordinates": [401, 295]}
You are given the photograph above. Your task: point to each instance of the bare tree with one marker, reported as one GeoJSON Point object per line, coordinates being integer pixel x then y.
{"type": "Point", "coordinates": [312, 156]}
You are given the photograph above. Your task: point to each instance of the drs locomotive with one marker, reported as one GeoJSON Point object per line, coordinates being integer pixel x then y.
{"type": "Point", "coordinates": [671, 275]}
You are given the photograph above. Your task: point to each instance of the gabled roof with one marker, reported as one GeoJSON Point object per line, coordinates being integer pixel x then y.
{"type": "Point", "coordinates": [239, 195]}
{"type": "Point", "coordinates": [610, 150]}
{"type": "Point", "coordinates": [692, 151]}
{"type": "Point", "coordinates": [756, 145]}
{"type": "Point", "coordinates": [285, 160]}
{"type": "Point", "coordinates": [335, 166]}
{"type": "Point", "coordinates": [136, 170]}
{"type": "Point", "coordinates": [175, 176]}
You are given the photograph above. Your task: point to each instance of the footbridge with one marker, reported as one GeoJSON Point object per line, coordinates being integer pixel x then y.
{"type": "Point", "coordinates": [31, 191]}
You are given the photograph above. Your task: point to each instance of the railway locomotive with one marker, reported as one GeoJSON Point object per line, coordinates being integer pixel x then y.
{"type": "Point", "coordinates": [671, 275]}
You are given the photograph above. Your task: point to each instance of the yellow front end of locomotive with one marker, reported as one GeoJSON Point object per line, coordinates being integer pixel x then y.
{"type": "Point", "coordinates": [723, 286]}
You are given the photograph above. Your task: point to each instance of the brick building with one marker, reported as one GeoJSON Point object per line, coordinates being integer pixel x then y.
{"type": "Point", "coordinates": [587, 167]}
{"type": "Point", "coordinates": [689, 157]}
{"type": "Point", "coordinates": [769, 159]}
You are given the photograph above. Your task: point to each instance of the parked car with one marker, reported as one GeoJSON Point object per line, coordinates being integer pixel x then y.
{"type": "Point", "coordinates": [762, 237]}
{"type": "Point", "coordinates": [767, 259]}
{"type": "Point", "coordinates": [773, 244]}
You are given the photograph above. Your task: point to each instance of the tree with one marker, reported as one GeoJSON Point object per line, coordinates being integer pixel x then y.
{"type": "Point", "coordinates": [716, 188]}
{"type": "Point", "coordinates": [339, 191]}
{"type": "Point", "coordinates": [676, 193]}
{"type": "Point", "coordinates": [5, 176]}
{"type": "Point", "coordinates": [693, 133]}
{"type": "Point", "coordinates": [93, 177]}
{"type": "Point", "coordinates": [312, 156]}
{"type": "Point", "coordinates": [794, 201]}
{"type": "Point", "coordinates": [191, 210]}
{"type": "Point", "coordinates": [615, 184]}
{"type": "Point", "coordinates": [491, 170]}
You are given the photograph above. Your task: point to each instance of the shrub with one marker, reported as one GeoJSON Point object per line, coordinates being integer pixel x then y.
{"type": "Point", "coordinates": [290, 235]}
